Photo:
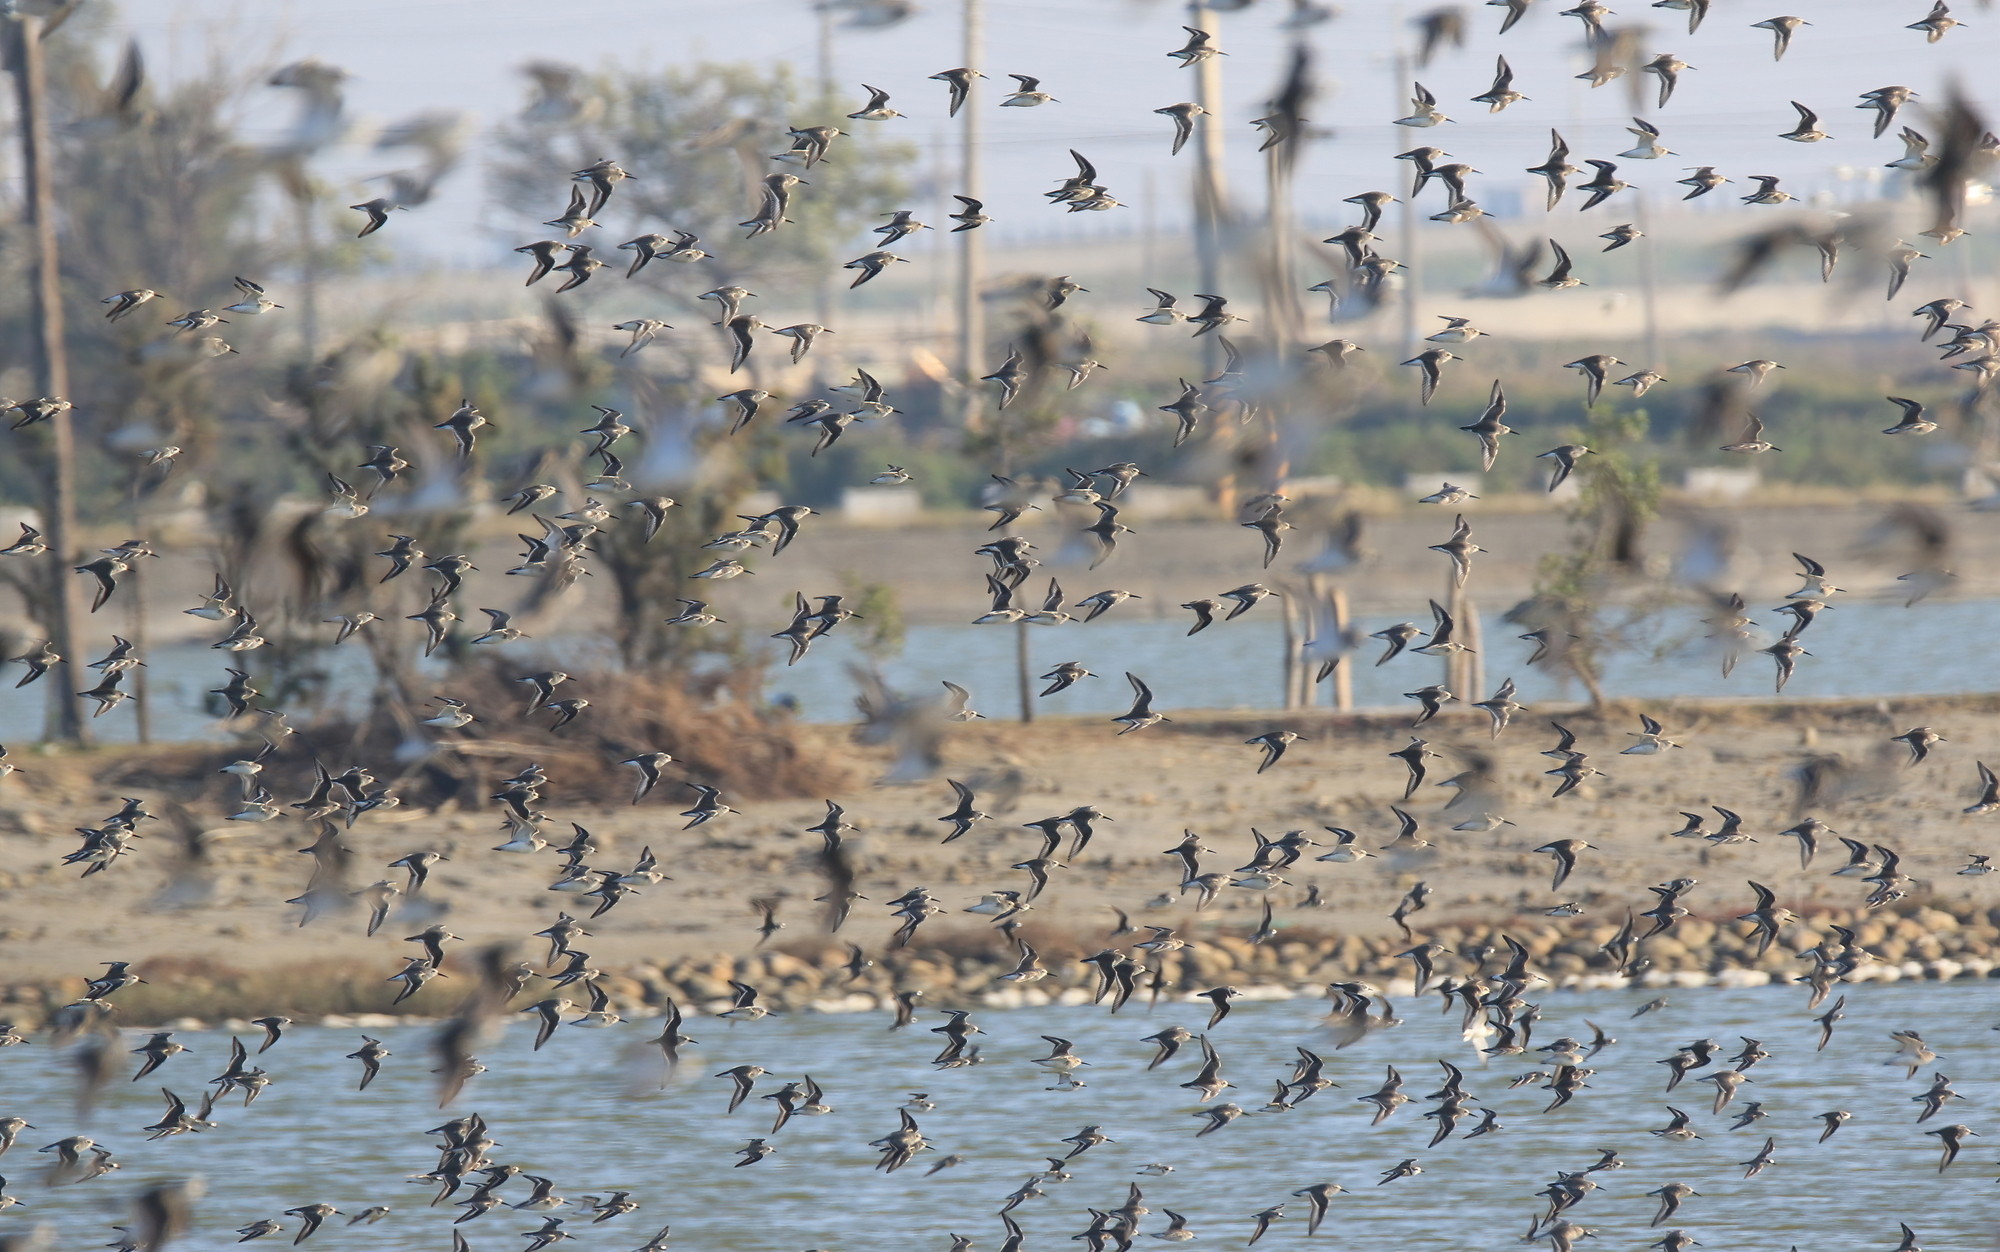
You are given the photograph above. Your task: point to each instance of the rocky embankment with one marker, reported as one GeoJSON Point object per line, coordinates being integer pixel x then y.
{"type": "Point", "coordinates": [968, 969]}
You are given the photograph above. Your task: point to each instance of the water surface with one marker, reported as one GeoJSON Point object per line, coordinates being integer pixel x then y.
{"type": "Point", "coordinates": [1859, 649]}
{"type": "Point", "coordinates": [587, 1111]}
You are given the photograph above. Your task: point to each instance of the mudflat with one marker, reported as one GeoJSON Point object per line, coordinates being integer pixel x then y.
{"type": "Point", "coordinates": [212, 891]}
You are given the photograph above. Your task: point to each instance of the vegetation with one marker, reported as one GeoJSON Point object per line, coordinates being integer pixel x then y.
{"type": "Point", "coordinates": [1618, 495]}
{"type": "Point", "coordinates": [704, 137]}
{"type": "Point", "coordinates": [262, 435]}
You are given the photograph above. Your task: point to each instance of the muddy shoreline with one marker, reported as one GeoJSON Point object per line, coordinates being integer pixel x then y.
{"type": "Point", "coordinates": [1911, 942]}
{"type": "Point", "coordinates": [199, 904]}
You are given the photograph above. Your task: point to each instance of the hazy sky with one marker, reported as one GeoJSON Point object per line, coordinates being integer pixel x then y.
{"type": "Point", "coordinates": [1105, 60]}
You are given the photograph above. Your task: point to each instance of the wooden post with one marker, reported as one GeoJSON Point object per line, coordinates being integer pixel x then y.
{"type": "Point", "coordinates": [1149, 222]}
{"type": "Point", "coordinates": [1289, 616]}
{"type": "Point", "coordinates": [1475, 676]}
{"type": "Point", "coordinates": [52, 359]}
{"type": "Point", "coordinates": [971, 243]}
{"type": "Point", "coordinates": [1211, 205]}
{"type": "Point", "coordinates": [1406, 232]}
{"type": "Point", "coordinates": [1283, 313]}
{"type": "Point", "coordinates": [1457, 665]}
{"type": "Point", "coordinates": [1024, 686]}
{"type": "Point", "coordinates": [1649, 283]}
{"type": "Point", "coordinates": [1343, 678]}
{"type": "Point", "coordinates": [823, 288]}
{"type": "Point", "coordinates": [305, 204]}
{"type": "Point", "coordinates": [826, 87]}
{"type": "Point", "coordinates": [135, 625]}
{"type": "Point", "coordinates": [1317, 631]}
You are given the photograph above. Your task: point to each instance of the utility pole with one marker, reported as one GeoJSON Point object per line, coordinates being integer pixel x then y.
{"type": "Point", "coordinates": [304, 205]}
{"type": "Point", "coordinates": [1149, 228]}
{"type": "Point", "coordinates": [823, 290]}
{"type": "Point", "coordinates": [1289, 608]}
{"type": "Point", "coordinates": [1406, 231]}
{"type": "Point", "coordinates": [972, 307]}
{"type": "Point", "coordinates": [1211, 205]}
{"type": "Point", "coordinates": [1343, 674]}
{"type": "Point", "coordinates": [1282, 313]}
{"type": "Point", "coordinates": [135, 617]}
{"type": "Point", "coordinates": [971, 243]}
{"type": "Point", "coordinates": [1649, 284]}
{"type": "Point", "coordinates": [65, 608]}
{"type": "Point", "coordinates": [1457, 665]}
{"type": "Point", "coordinates": [1024, 688]}
{"type": "Point", "coordinates": [824, 9]}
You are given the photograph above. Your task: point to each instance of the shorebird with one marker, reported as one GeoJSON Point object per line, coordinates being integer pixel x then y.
{"type": "Point", "coordinates": [1565, 457]}
{"type": "Point", "coordinates": [1989, 793]}
{"type": "Point", "coordinates": [1141, 714]}
{"type": "Point", "coordinates": [1767, 191]}
{"type": "Point", "coordinates": [1667, 68]}
{"type": "Point", "coordinates": [1274, 743]}
{"type": "Point", "coordinates": [1704, 179]}
{"type": "Point", "coordinates": [1752, 440]}
{"type": "Point", "coordinates": [1028, 94]}
{"type": "Point", "coordinates": [125, 301]}
{"type": "Point", "coordinates": [959, 82]}
{"type": "Point", "coordinates": [1602, 186]}
{"type": "Point", "coordinates": [1501, 93]}
{"type": "Point", "coordinates": [1431, 362]}
{"type": "Point", "coordinates": [971, 217]}
{"type": "Point", "coordinates": [378, 211]}
{"type": "Point", "coordinates": [870, 265]}
{"type": "Point", "coordinates": [1807, 131]}
{"type": "Point", "coordinates": [1885, 101]}
{"type": "Point", "coordinates": [1556, 170]}
{"type": "Point", "coordinates": [1649, 147]}
{"type": "Point", "coordinates": [1913, 421]}
{"type": "Point", "coordinates": [643, 330]}
{"type": "Point", "coordinates": [1919, 741]}
{"type": "Point", "coordinates": [1781, 29]}
{"type": "Point", "coordinates": [1183, 116]}
{"type": "Point", "coordinates": [1424, 112]}
{"type": "Point", "coordinates": [901, 223]}
{"type": "Point", "coordinates": [1936, 23]}
{"type": "Point", "coordinates": [1559, 277]}
{"type": "Point", "coordinates": [877, 109]}
{"type": "Point", "coordinates": [1200, 46]}
{"type": "Point", "coordinates": [1651, 739]}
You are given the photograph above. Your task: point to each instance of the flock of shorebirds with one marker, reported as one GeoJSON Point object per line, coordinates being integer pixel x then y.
{"type": "Point", "coordinates": [1489, 988]}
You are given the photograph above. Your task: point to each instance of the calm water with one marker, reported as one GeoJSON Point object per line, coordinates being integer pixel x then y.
{"type": "Point", "coordinates": [1859, 648]}
{"type": "Point", "coordinates": [587, 1112]}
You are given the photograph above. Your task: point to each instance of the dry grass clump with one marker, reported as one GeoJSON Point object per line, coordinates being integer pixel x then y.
{"type": "Point", "coordinates": [306, 990]}
{"type": "Point", "coordinates": [715, 727]}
